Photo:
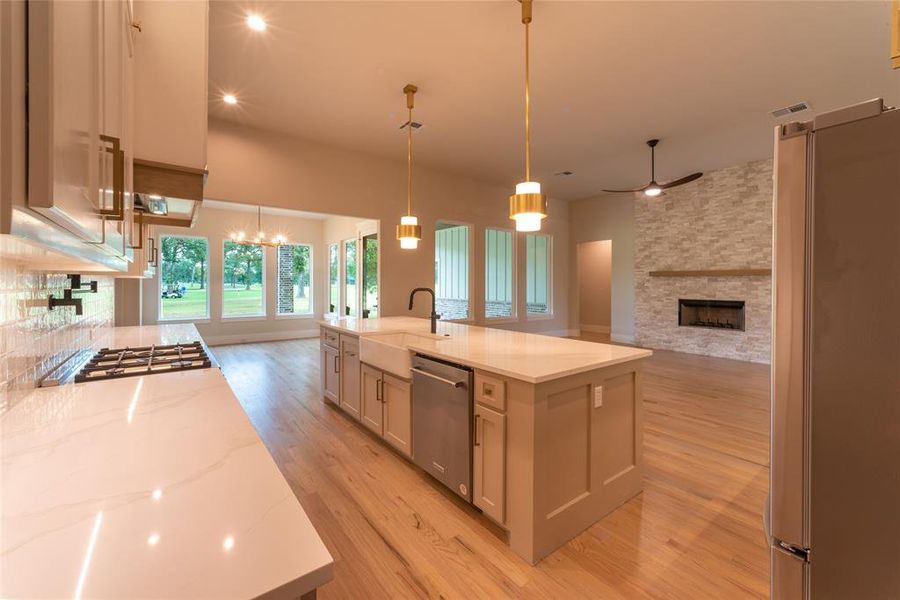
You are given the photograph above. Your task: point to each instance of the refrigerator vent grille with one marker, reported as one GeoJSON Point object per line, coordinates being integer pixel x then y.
{"type": "Point", "coordinates": [789, 110]}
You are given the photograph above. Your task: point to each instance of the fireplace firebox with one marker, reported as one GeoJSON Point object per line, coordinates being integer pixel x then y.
{"type": "Point", "coordinates": [714, 314]}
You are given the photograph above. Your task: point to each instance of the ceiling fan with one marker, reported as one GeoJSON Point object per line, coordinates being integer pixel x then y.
{"type": "Point", "coordinates": [653, 188]}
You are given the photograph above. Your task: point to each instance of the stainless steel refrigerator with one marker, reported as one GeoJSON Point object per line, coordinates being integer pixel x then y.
{"type": "Point", "coordinates": [833, 515]}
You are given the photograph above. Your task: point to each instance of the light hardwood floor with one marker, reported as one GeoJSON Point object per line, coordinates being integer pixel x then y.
{"type": "Point", "coordinates": [695, 531]}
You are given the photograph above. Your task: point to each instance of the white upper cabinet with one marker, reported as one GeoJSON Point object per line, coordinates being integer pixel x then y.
{"type": "Point", "coordinates": [80, 115]}
{"type": "Point", "coordinates": [171, 82]}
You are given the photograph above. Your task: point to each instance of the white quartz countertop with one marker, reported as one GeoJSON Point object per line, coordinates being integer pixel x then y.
{"type": "Point", "coordinates": [155, 486]}
{"type": "Point", "coordinates": [529, 357]}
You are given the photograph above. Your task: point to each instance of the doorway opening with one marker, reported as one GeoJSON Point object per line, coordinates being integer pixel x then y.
{"type": "Point", "coordinates": [594, 270]}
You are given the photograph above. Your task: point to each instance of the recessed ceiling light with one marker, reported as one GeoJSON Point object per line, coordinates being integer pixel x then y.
{"type": "Point", "coordinates": [229, 99]}
{"type": "Point", "coordinates": [256, 23]}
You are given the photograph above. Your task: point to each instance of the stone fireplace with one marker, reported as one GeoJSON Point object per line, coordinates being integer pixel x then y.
{"type": "Point", "coordinates": [705, 249]}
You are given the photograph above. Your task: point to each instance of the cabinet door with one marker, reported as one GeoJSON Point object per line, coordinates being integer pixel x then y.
{"type": "Point", "coordinates": [64, 143]}
{"type": "Point", "coordinates": [489, 468]}
{"type": "Point", "coordinates": [397, 413]}
{"type": "Point", "coordinates": [331, 371]}
{"type": "Point", "coordinates": [350, 395]}
{"type": "Point", "coordinates": [372, 406]}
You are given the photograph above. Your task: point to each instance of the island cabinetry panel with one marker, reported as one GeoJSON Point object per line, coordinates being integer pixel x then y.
{"type": "Point", "coordinates": [489, 461]}
{"type": "Point", "coordinates": [573, 454]}
{"type": "Point", "coordinates": [350, 392]}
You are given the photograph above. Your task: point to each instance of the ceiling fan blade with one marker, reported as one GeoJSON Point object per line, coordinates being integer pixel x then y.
{"type": "Point", "coordinates": [640, 189]}
{"type": "Point", "coordinates": [681, 181]}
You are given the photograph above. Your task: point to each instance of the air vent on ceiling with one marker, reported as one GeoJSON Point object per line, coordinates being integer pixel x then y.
{"type": "Point", "coordinates": [564, 173]}
{"type": "Point", "coordinates": [789, 110]}
{"type": "Point", "coordinates": [415, 125]}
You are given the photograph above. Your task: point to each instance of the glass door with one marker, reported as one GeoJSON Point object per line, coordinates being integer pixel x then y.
{"type": "Point", "coordinates": [370, 276]}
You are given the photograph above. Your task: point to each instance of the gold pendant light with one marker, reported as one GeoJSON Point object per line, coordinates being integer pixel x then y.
{"type": "Point", "coordinates": [409, 232]}
{"type": "Point", "coordinates": [528, 206]}
{"type": "Point", "coordinates": [260, 238]}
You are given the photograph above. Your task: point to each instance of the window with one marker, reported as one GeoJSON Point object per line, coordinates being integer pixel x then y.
{"type": "Point", "coordinates": [294, 293]}
{"type": "Point", "coordinates": [350, 277]}
{"type": "Point", "coordinates": [499, 264]}
{"type": "Point", "coordinates": [451, 270]}
{"type": "Point", "coordinates": [538, 274]}
{"type": "Point", "coordinates": [334, 277]}
{"type": "Point", "coordinates": [183, 282]}
{"type": "Point", "coordinates": [370, 276]}
{"type": "Point", "coordinates": [243, 293]}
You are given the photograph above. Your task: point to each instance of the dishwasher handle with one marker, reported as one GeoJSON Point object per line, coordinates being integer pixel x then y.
{"type": "Point", "coordinates": [456, 384]}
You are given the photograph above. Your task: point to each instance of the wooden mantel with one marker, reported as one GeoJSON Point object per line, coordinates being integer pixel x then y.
{"type": "Point", "coordinates": [714, 273]}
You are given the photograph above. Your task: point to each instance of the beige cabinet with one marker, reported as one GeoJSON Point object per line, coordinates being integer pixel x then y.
{"type": "Point", "coordinates": [387, 408]}
{"type": "Point", "coordinates": [397, 401]}
{"type": "Point", "coordinates": [489, 462]}
{"type": "Point", "coordinates": [349, 372]}
{"type": "Point", "coordinates": [372, 408]}
{"type": "Point", "coordinates": [331, 374]}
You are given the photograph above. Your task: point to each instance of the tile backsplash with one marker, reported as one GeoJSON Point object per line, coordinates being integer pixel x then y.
{"type": "Point", "coordinates": [33, 339]}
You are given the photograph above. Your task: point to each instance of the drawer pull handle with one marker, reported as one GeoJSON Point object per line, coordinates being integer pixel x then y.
{"type": "Point", "coordinates": [477, 418]}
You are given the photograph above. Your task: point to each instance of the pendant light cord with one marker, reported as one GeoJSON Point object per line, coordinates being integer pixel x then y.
{"type": "Point", "coordinates": [527, 107]}
{"type": "Point", "coordinates": [409, 161]}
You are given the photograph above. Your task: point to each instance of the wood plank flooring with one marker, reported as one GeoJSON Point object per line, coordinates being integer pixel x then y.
{"type": "Point", "coordinates": [695, 531]}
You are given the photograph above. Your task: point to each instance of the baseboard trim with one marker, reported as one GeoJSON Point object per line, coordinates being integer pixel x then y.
{"type": "Point", "coordinates": [595, 328]}
{"type": "Point", "coordinates": [622, 338]}
{"type": "Point", "coordinates": [252, 338]}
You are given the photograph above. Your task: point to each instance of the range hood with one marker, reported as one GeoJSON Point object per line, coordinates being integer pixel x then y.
{"type": "Point", "coordinates": [168, 194]}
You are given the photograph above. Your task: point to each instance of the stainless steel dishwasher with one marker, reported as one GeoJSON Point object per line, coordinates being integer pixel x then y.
{"type": "Point", "coordinates": [442, 422]}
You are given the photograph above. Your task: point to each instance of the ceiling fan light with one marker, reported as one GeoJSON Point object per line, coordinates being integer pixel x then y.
{"type": "Point", "coordinates": [653, 191]}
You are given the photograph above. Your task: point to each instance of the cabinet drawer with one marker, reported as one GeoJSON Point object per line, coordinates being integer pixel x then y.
{"type": "Point", "coordinates": [350, 343]}
{"type": "Point", "coordinates": [490, 391]}
{"type": "Point", "coordinates": [330, 337]}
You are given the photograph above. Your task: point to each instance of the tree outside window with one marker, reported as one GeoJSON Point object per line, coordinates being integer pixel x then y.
{"type": "Point", "coordinates": [242, 279]}
{"type": "Point", "coordinates": [184, 262]}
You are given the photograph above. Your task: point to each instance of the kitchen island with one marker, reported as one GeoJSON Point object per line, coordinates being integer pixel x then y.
{"type": "Point", "coordinates": [557, 423]}
{"type": "Point", "coordinates": [155, 486]}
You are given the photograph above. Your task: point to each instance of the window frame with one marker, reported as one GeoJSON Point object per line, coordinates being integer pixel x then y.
{"type": "Point", "coordinates": [342, 259]}
{"type": "Point", "coordinates": [530, 316]}
{"type": "Point", "coordinates": [514, 288]}
{"type": "Point", "coordinates": [470, 317]}
{"type": "Point", "coordinates": [336, 310]}
{"type": "Point", "coordinates": [264, 315]}
{"type": "Point", "coordinates": [159, 283]}
{"type": "Point", "coordinates": [312, 287]}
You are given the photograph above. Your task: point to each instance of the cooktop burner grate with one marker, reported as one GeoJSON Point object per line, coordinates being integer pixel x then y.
{"type": "Point", "coordinates": [112, 363]}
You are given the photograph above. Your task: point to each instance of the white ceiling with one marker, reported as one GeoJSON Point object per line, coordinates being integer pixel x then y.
{"type": "Point", "coordinates": [606, 76]}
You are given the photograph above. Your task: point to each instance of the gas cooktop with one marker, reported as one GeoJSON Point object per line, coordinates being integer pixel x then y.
{"type": "Point", "coordinates": [112, 363]}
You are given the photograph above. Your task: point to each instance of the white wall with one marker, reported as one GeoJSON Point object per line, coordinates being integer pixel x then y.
{"type": "Point", "coordinates": [254, 166]}
{"type": "Point", "coordinates": [608, 217]}
{"type": "Point", "coordinates": [216, 225]}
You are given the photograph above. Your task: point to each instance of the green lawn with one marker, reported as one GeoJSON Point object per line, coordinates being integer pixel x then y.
{"type": "Point", "coordinates": [241, 302]}
{"type": "Point", "coordinates": [238, 302]}
{"type": "Point", "coordinates": [191, 306]}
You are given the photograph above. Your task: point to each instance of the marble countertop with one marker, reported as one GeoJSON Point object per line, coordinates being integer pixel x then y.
{"type": "Point", "coordinates": [155, 486]}
{"type": "Point", "coordinates": [525, 356]}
